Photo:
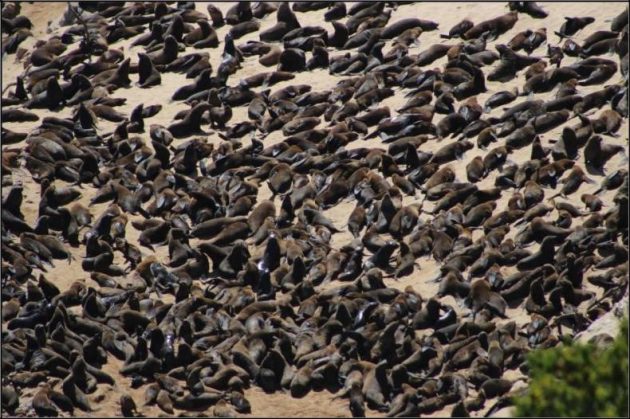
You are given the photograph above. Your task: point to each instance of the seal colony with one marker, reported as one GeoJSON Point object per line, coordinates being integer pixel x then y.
{"type": "Point", "coordinates": [339, 206]}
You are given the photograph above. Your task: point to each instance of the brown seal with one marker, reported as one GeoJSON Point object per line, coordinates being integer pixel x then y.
{"type": "Point", "coordinates": [148, 74]}
{"type": "Point", "coordinates": [191, 124]}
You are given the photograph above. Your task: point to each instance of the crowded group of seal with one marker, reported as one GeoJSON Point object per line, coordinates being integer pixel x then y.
{"type": "Point", "coordinates": [254, 289]}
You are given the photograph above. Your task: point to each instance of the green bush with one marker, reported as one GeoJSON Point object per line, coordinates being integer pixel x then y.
{"type": "Point", "coordinates": [578, 380]}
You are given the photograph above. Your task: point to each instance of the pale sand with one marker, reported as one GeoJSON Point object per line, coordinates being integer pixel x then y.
{"type": "Point", "coordinates": [447, 14]}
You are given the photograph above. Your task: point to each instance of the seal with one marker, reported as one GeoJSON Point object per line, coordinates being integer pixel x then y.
{"type": "Point", "coordinates": [18, 115]}
{"type": "Point", "coordinates": [167, 54]}
{"type": "Point", "coordinates": [147, 73]}
{"type": "Point", "coordinates": [573, 25]}
{"type": "Point", "coordinates": [292, 59]}
{"type": "Point", "coordinates": [48, 52]}
{"type": "Point", "coordinates": [203, 37]}
{"type": "Point", "coordinates": [597, 153]}
{"type": "Point", "coordinates": [535, 40]}
{"type": "Point", "coordinates": [531, 8]}
{"type": "Point", "coordinates": [320, 55]}
{"type": "Point", "coordinates": [286, 22]}
{"type": "Point", "coordinates": [191, 124]}
{"type": "Point", "coordinates": [52, 98]}
{"type": "Point", "coordinates": [202, 82]}
{"type": "Point", "coordinates": [497, 26]}
{"type": "Point", "coordinates": [500, 98]}
{"type": "Point", "coordinates": [241, 29]}
{"type": "Point", "coordinates": [216, 15]}
{"type": "Point", "coordinates": [393, 30]}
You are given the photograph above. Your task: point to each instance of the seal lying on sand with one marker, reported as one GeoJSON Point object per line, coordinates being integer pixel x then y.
{"type": "Point", "coordinates": [267, 285]}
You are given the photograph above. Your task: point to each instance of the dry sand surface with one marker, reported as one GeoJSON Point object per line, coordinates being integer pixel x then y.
{"type": "Point", "coordinates": [45, 18]}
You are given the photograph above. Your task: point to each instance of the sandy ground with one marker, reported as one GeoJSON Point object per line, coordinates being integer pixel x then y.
{"type": "Point", "coordinates": [447, 14]}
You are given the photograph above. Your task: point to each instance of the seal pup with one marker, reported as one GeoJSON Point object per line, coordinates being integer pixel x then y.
{"type": "Point", "coordinates": [571, 48]}
{"type": "Point", "coordinates": [536, 39]}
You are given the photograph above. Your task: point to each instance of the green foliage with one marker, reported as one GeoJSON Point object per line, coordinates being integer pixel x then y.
{"type": "Point", "coordinates": [578, 380]}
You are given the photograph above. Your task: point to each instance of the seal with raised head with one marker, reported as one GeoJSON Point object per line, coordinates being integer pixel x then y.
{"type": "Point", "coordinates": [191, 124]}
{"type": "Point", "coordinates": [148, 74]}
